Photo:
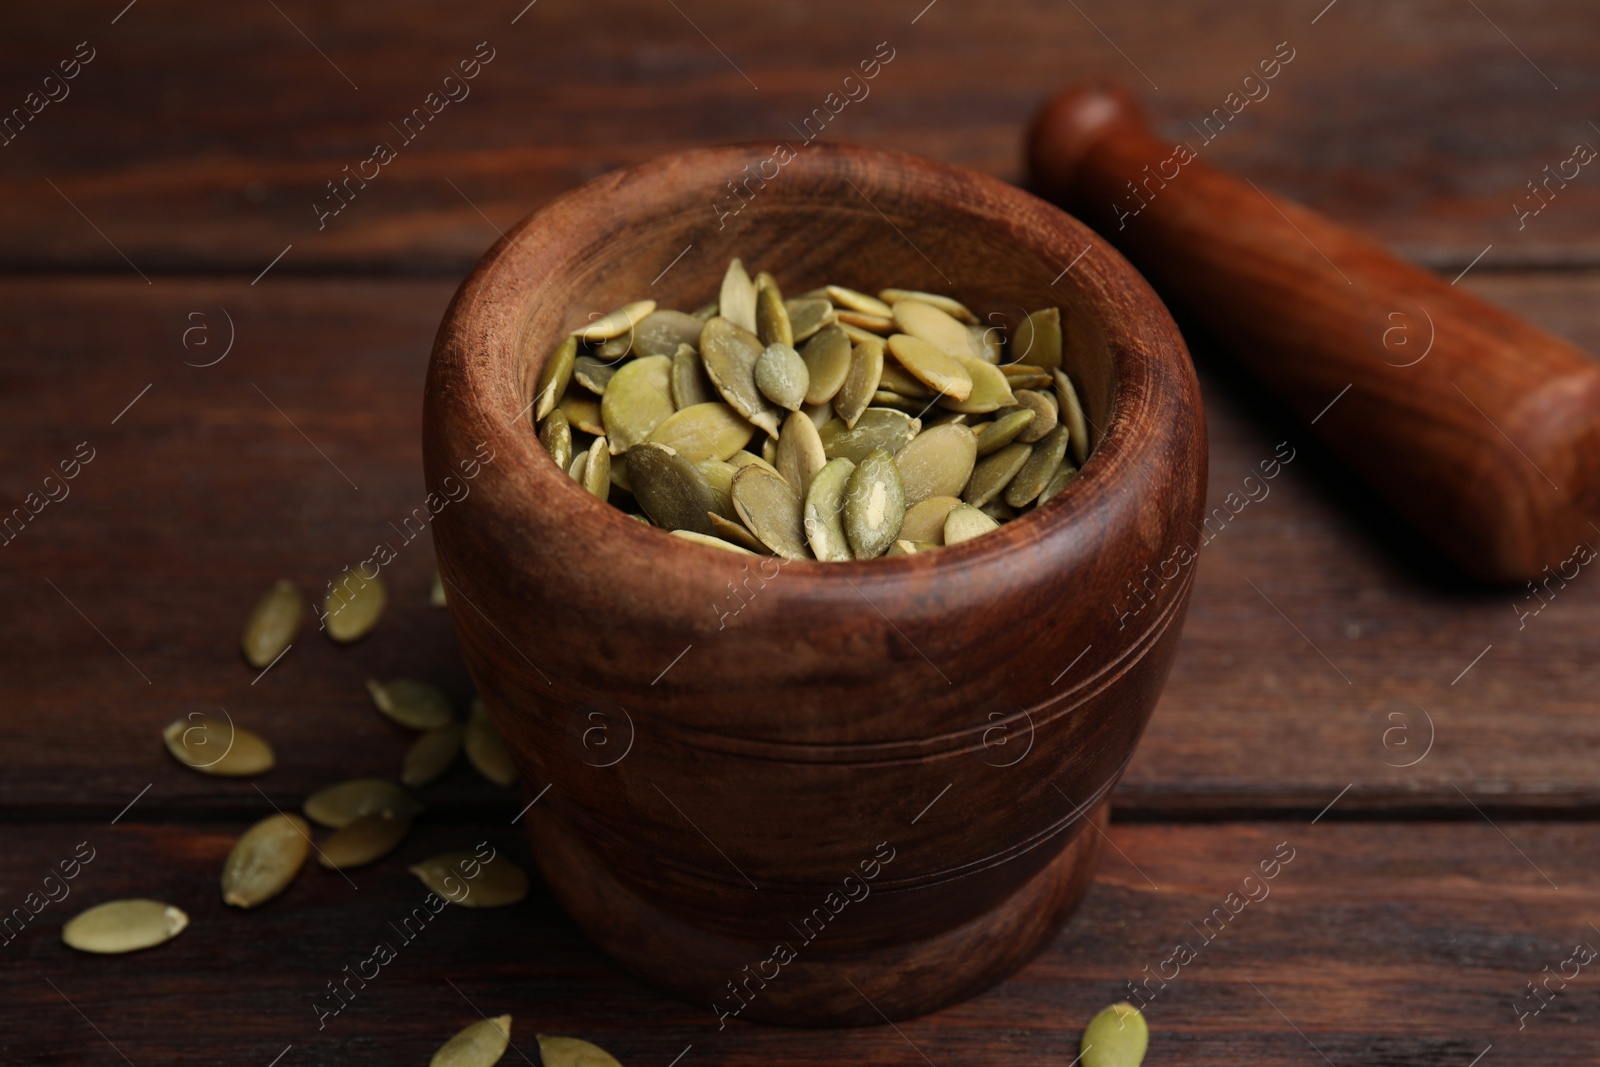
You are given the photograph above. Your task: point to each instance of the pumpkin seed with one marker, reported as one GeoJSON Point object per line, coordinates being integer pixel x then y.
{"type": "Point", "coordinates": [1045, 414]}
{"type": "Point", "coordinates": [849, 298]}
{"type": "Point", "coordinates": [1058, 481]}
{"type": "Point", "coordinates": [1072, 413]}
{"type": "Point", "coordinates": [583, 413]}
{"type": "Point", "coordinates": [218, 748]}
{"type": "Point", "coordinates": [479, 1045]}
{"type": "Point", "coordinates": [866, 368]}
{"type": "Point", "coordinates": [367, 840]}
{"type": "Point", "coordinates": [897, 379]}
{"type": "Point", "coordinates": [615, 323]}
{"type": "Point", "coordinates": [431, 755]}
{"type": "Point", "coordinates": [719, 476]}
{"type": "Point", "coordinates": [993, 436]}
{"type": "Point", "coordinates": [485, 749]}
{"type": "Point", "coordinates": [661, 332]}
{"type": "Point", "coordinates": [703, 431]}
{"type": "Point", "coordinates": [966, 522]}
{"type": "Point", "coordinates": [337, 806]}
{"type": "Point", "coordinates": [931, 366]}
{"type": "Point", "coordinates": [937, 462]}
{"type": "Point", "coordinates": [819, 414]}
{"type": "Point", "coordinates": [824, 513]}
{"type": "Point", "coordinates": [879, 324]}
{"type": "Point", "coordinates": [1038, 339]}
{"type": "Point", "coordinates": [613, 350]}
{"type": "Point", "coordinates": [991, 391]}
{"type": "Point", "coordinates": [729, 353]}
{"type": "Point", "coordinates": [744, 459]}
{"type": "Point", "coordinates": [986, 341]}
{"type": "Point", "coordinates": [705, 312]}
{"type": "Point", "coordinates": [411, 703]}
{"type": "Point", "coordinates": [828, 362]}
{"type": "Point", "coordinates": [924, 522]}
{"type": "Point", "coordinates": [807, 315]}
{"type": "Point", "coordinates": [265, 860]}
{"type": "Point", "coordinates": [928, 323]}
{"type": "Point", "coordinates": [769, 452]}
{"type": "Point", "coordinates": [903, 547]}
{"type": "Point", "coordinates": [554, 376]}
{"type": "Point", "coordinates": [770, 509]}
{"type": "Point", "coordinates": [670, 489]}
{"type": "Point", "coordinates": [436, 597]}
{"type": "Point", "coordinates": [571, 1052]}
{"type": "Point", "coordinates": [593, 374]}
{"type": "Point", "coordinates": [353, 606]}
{"type": "Point", "coordinates": [874, 505]}
{"type": "Point", "coordinates": [800, 453]}
{"type": "Point", "coordinates": [119, 926]}
{"type": "Point", "coordinates": [782, 377]}
{"type": "Point", "coordinates": [772, 317]}
{"type": "Point", "coordinates": [1117, 1037]}
{"type": "Point", "coordinates": [496, 883]}
{"type": "Point", "coordinates": [690, 386]}
{"type": "Point", "coordinates": [596, 474]}
{"type": "Point", "coordinates": [734, 533]}
{"type": "Point", "coordinates": [877, 428]}
{"type": "Point", "coordinates": [950, 306]}
{"type": "Point", "coordinates": [998, 510]}
{"type": "Point", "coordinates": [1039, 469]}
{"type": "Point", "coordinates": [883, 398]}
{"type": "Point", "coordinates": [994, 472]}
{"type": "Point", "coordinates": [272, 624]}
{"type": "Point", "coordinates": [638, 399]}
{"type": "Point", "coordinates": [580, 464]}
{"type": "Point", "coordinates": [738, 302]}
{"type": "Point", "coordinates": [556, 436]}
{"type": "Point", "coordinates": [716, 542]}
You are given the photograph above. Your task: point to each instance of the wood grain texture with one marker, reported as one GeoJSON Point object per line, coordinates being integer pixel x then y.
{"type": "Point", "coordinates": [202, 494]}
{"type": "Point", "coordinates": [1401, 943]}
{"type": "Point", "coordinates": [1420, 122]}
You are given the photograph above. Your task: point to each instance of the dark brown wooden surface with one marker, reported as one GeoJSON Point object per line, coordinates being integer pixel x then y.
{"type": "Point", "coordinates": [196, 142]}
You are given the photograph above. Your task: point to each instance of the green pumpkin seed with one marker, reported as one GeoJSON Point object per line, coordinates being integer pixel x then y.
{"type": "Point", "coordinates": [638, 399]}
{"type": "Point", "coordinates": [580, 464]}
{"type": "Point", "coordinates": [991, 390]}
{"type": "Point", "coordinates": [614, 350]}
{"type": "Point", "coordinates": [993, 473]}
{"type": "Point", "coordinates": [993, 436]}
{"type": "Point", "coordinates": [937, 462]}
{"type": "Point", "coordinates": [931, 366]}
{"type": "Point", "coordinates": [463, 878]}
{"type": "Point", "coordinates": [903, 547]}
{"type": "Point", "coordinates": [353, 606]}
{"type": "Point", "coordinates": [718, 542]}
{"type": "Point", "coordinates": [619, 474]}
{"type": "Point", "coordinates": [899, 380]}
{"type": "Point", "coordinates": [772, 317]}
{"type": "Point", "coordinates": [807, 315]}
{"type": "Point", "coordinates": [593, 374]}
{"type": "Point", "coordinates": [950, 306]}
{"type": "Point", "coordinates": [705, 312]}
{"type": "Point", "coordinates": [553, 377]}
{"type": "Point", "coordinates": [828, 361]}
{"type": "Point", "coordinates": [744, 459]}
{"type": "Point", "coordinates": [486, 751]}
{"type": "Point", "coordinates": [583, 413]}
{"type": "Point", "coordinates": [1058, 481]}
{"type": "Point", "coordinates": [986, 341]}
{"type": "Point", "coordinates": [849, 298]}
{"type": "Point", "coordinates": [927, 323]}
{"type": "Point", "coordinates": [1038, 340]}
{"type": "Point", "coordinates": [738, 303]}
{"type": "Point", "coordinates": [119, 926]}
{"type": "Point", "coordinates": [769, 452]}
{"type": "Point", "coordinates": [770, 508]}
{"type": "Point", "coordinates": [735, 533]}
{"type": "Point", "coordinates": [480, 1045]}
{"type": "Point", "coordinates": [819, 414]}
{"type": "Point", "coordinates": [366, 840]}
{"type": "Point", "coordinates": [615, 323]}
{"type": "Point", "coordinates": [719, 476]}
{"type": "Point", "coordinates": [272, 624]}
{"type": "Point", "coordinates": [661, 332]}
{"type": "Point", "coordinates": [856, 334]}
{"type": "Point", "coordinates": [1041, 466]}
{"type": "Point", "coordinates": [218, 748]}
{"type": "Point", "coordinates": [878, 324]}
{"type": "Point", "coordinates": [1045, 414]}
{"type": "Point", "coordinates": [265, 860]}
{"type": "Point", "coordinates": [877, 428]}
{"type": "Point", "coordinates": [874, 505]}
{"type": "Point", "coordinates": [998, 510]}
{"type": "Point", "coordinates": [885, 399]}
{"type": "Point", "coordinates": [824, 513]}
{"type": "Point", "coordinates": [413, 704]}
{"type": "Point", "coordinates": [866, 368]}
{"type": "Point", "coordinates": [571, 1052]}
{"type": "Point", "coordinates": [670, 489]}
{"type": "Point", "coordinates": [924, 522]}
{"type": "Point", "coordinates": [690, 386]}
{"type": "Point", "coordinates": [436, 598]}
{"type": "Point", "coordinates": [596, 473]}
{"type": "Point", "coordinates": [556, 436]}
{"type": "Point", "coordinates": [431, 755]}
{"type": "Point", "coordinates": [966, 522]}
{"type": "Point", "coordinates": [1072, 414]}
{"type": "Point", "coordinates": [782, 377]}
{"type": "Point", "coordinates": [1117, 1037]}
{"type": "Point", "coordinates": [337, 806]}
{"type": "Point", "coordinates": [703, 431]}
{"type": "Point", "coordinates": [800, 453]}
{"type": "Point", "coordinates": [729, 353]}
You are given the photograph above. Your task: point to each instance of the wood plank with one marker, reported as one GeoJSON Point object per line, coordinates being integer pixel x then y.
{"type": "Point", "coordinates": [1401, 943]}
{"type": "Point", "coordinates": [128, 595]}
{"type": "Point", "coordinates": [1424, 124]}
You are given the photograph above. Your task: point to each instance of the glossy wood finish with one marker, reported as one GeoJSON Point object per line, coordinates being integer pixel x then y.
{"type": "Point", "coordinates": [1479, 428]}
{"type": "Point", "coordinates": [791, 726]}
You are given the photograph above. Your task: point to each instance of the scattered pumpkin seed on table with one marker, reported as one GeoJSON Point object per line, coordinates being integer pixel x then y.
{"type": "Point", "coordinates": [218, 748]}
{"type": "Point", "coordinates": [485, 750]}
{"type": "Point", "coordinates": [337, 806]}
{"type": "Point", "coordinates": [353, 606]}
{"type": "Point", "coordinates": [573, 1052]}
{"type": "Point", "coordinates": [834, 425]}
{"type": "Point", "coordinates": [273, 623]}
{"type": "Point", "coordinates": [412, 703]}
{"type": "Point", "coordinates": [265, 860]}
{"type": "Point", "coordinates": [119, 926]}
{"type": "Point", "coordinates": [431, 755]}
{"type": "Point", "coordinates": [1117, 1037]}
{"type": "Point", "coordinates": [498, 882]}
{"type": "Point", "coordinates": [366, 840]}
{"type": "Point", "coordinates": [480, 1045]}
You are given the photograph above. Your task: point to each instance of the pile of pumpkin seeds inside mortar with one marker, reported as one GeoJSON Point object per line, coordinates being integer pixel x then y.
{"type": "Point", "coordinates": [833, 426]}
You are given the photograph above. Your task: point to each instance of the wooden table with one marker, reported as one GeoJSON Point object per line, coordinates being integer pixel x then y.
{"type": "Point", "coordinates": [1426, 750]}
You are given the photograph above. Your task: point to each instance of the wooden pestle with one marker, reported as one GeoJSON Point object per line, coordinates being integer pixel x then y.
{"type": "Point", "coordinates": [1480, 429]}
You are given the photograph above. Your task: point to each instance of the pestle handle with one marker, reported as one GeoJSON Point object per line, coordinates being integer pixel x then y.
{"type": "Point", "coordinates": [1478, 428]}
